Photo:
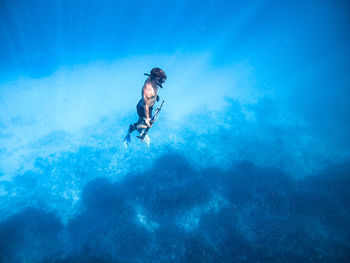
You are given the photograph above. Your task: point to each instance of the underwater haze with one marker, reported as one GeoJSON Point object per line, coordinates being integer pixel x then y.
{"type": "Point", "coordinates": [249, 160]}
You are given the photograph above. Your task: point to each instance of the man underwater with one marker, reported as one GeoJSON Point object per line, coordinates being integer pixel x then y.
{"type": "Point", "coordinates": [149, 96]}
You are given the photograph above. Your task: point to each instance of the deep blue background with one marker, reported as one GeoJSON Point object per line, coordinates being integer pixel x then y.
{"type": "Point", "coordinates": [249, 161]}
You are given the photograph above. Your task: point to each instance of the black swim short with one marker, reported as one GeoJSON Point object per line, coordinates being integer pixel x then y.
{"type": "Point", "coordinates": [141, 110]}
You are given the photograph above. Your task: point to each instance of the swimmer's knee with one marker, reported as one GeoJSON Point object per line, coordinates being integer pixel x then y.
{"type": "Point", "coordinates": [141, 126]}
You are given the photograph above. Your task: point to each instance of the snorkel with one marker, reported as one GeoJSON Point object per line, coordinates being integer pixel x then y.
{"type": "Point", "coordinates": [158, 76]}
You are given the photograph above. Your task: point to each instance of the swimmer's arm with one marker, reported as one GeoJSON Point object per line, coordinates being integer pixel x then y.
{"type": "Point", "coordinates": [146, 98]}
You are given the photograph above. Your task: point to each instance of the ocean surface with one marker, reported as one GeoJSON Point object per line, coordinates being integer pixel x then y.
{"type": "Point", "coordinates": [249, 160]}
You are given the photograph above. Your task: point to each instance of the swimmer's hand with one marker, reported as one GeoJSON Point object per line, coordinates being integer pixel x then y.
{"type": "Point", "coordinates": [148, 122]}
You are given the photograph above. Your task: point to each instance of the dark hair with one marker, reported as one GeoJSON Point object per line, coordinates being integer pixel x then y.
{"type": "Point", "coordinates": [158, 73]}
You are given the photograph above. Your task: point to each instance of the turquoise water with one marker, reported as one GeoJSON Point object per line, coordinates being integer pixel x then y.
{"type": "Point", "coordinates": [248, 162]}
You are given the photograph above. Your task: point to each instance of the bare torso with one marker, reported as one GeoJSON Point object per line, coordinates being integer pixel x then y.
{"type": "Point", "coordinates": [149, 94]}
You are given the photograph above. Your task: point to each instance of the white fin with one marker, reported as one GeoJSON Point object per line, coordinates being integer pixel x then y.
{"type": "Point", "coordinates": [147, 140]}
{"type": "Point", "coordinates": [126, 141]}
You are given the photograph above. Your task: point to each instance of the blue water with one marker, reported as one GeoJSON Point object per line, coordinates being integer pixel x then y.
{"type": "Point", "coordinates": [249, 160]}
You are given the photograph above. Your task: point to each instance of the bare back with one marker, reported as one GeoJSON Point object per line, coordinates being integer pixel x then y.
{"type": "Point", "coordinates": [149, 94]}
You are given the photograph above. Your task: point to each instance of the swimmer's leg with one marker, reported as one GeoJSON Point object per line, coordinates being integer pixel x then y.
{"type": "Point", "coordinates": [127, 139]}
